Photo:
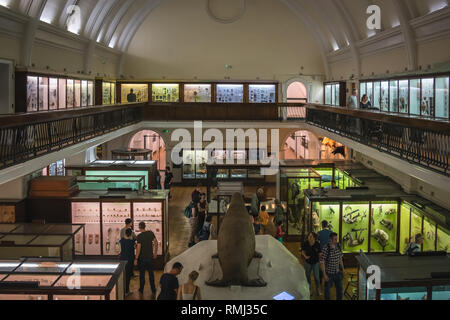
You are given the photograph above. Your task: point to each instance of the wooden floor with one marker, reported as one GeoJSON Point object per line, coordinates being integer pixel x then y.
{"type": "Point", "coordinates": [178, 240]}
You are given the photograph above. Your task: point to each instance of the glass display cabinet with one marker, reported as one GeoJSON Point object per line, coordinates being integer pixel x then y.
{"type": "Point", "coordinates": [364, 220]}
{"type": "Point", "coordinates": [52, 92]}
{"type": "Point", "coordinates": [108, 92]}
{"type": "Point", "coordinates": [334, 93]}
{"type": "Point", "coordinates": [232, 93]}
{"type": "Point", "coordinates": [197, 93]}
{"type": "Point", "coordinates": [343, 180]}
{"type": "Point", "coordinates": [102, 183]}
{"type": "Point", "coordinates": [262, 93]}
{"type": "Point", "coordinates": [427, 96]}
{"type": "Point", "coordinates": [60, 241]}
{"type": "Point", "coordinates": [165, 92]}
{"type": "Point", "coordinates": [194, 164]}
{"type": "Point", "coordinates": [104, 215]}
{"type": "Point", "coordinates": [134, 92]}
{"type": "Point", "coordinates": [12, 211]}
{"type": "Point", "coordinates": [116, 169]}
{"type": "Point", "coordinates": [292, 184]}
{"type": "Point", "coordinates": [404, 278]}
{"type": "Point", "coordinates": [46, 279]}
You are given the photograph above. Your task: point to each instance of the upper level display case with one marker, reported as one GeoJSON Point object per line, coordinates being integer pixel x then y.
{"type": "Point", "coordinates": [197, 93]}
{"type": "Point", "coordinates": [426, 96]}
{"type": "Point", "coordinates": [335, 93]}
{"type": "Point", "coordinates": [165, 92]}
{"type": "Point", "coordinates": [108, 92]}
{"type": "Point", "coordinates": [231, 93]}
{"type": "Point", "coordinates": [47, 92]}
{"type": "Point", "coordinates": [262, 93]}
{"type": "Point", "coordinates": [134, 92]}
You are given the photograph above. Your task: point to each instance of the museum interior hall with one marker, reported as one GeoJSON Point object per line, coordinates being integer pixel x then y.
{"type": "Point", "coordinates": [224, 150]}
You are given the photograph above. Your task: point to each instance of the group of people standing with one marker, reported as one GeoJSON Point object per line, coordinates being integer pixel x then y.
{"type": "Point", "coordinates": [200, 221]}
{"type": "Point", "coordinates": [323, 257]}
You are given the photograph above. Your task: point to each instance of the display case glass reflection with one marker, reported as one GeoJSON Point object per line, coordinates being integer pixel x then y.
{"type": "Point", "coordinates": [77, 92]}
{"type": "Point", "coordinates": [165, 92]}
{"type": "Point", "coordinates": [442, 99]}
{"type": "Point", "coordinates": [189, 164]}
{"type": "Point", "coordinates": [427, 103]}
{"type": "Point", "coordinates": [62, 99]}
{"type": "Point", "coordinates": [114, 215]}
{"type": "Point", "coordinates": [355, 227]}
{"type": "Point", "coordinates": [53, 94]}
{"type": "Point", "coordinates": [197, 93]}
{"type": "Point", "coordinates": [441, 293]}
{"type": "Point", "coordinates": [385, 96]}
{"type": "Point", "coordinates": [362, 89]}
{"type": "Point", "coordinates": [70, 94]}
{"type": "Point", "coordinates": [327, 177]}
{"type": "Point", "coordinates": [337, 93]}
{"type": "Point", "coordinates": [43, 93]}
{"type": "Point", "coordinates": [443, 240]}
{"type": "Point", "coordinates": [32, 94]}
{"type": "Point", "coordinates": [376, 95]}
{"type": "Point", "coordinates": [89, 214]}
{"type": "Point", "coordinates": [151, 214]}
{"type": "Point", "coordinates": [405, 221]}
{"type": "Point", "coordinates": [416, 223]}
{"type": "Point", "coordinates": [393, 96]}
{"type": "Point", "coordinates": [201, 159]}
{"type": "Point", "coordinates": [328, 94]}
{"type": "Point", "coordinates": [84, 93]}
{"type": "Point", "coordinates": [384, 227]}
{"type": "Point", "coordinates": [90, 93]}
{"type": "Point", "coordinates": [370, 91]}
{"type": "Point", "coordinates": [106, 90]}
{"type": "Point", "coordinates": [262, 93]}
{"type": "Point", "coordinates": [429, 235]}
{"type": "Point", "coordinates": [233, 93]}
{"type": "Point", "coordinates": [403, 96]}
{"type": "Point", "coordinates": [134, 93]}
{"type": "Point", "coordinates": [406, 293]}
{"type": "Point", "coordinates": [333, 95]}
{"type": "Point", "coordinates": [414, 96]}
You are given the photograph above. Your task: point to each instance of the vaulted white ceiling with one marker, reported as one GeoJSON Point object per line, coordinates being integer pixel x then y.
{"type": "Point", "coordinates": [335, 24]}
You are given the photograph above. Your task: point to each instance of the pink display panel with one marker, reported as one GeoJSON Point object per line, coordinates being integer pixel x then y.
{"type": "Point", "coordinates": [88, 214]}
{"type": "Point", "coordinates": [114, 216]}
{"type": "Point", "coordinates": [151, 214]}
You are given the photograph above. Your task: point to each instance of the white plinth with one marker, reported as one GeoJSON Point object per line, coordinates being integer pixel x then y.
{"type": "Point", "coordinates": [279, 268]}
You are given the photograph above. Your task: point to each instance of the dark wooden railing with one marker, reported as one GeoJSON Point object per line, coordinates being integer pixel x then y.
{"type": "Point", "coordinates": [27, 136]}
{"type": "Point", "coordinates": [420, 141]}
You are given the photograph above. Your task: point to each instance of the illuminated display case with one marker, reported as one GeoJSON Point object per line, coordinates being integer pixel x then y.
{"type": "Point", "coordinates": [139, 94]}
{"type": "Point", "coordinates": [194, 164]}
{"type": "Point", "coordinates": [12, 211]}
{"type": "Point", "coordinates": [118, 168]}
{"type": "Point", "coordinates": [404, 278]}
{"type": "Point", "coordinates": [165, 92]}
{"type": "Point", "coordinates": [232, 93]}
{"type": "Point", "coordinates": [59, 241]}
{"type": "Point", "coordinates": [427, 96]}
{"type": "Point", "coordinates": [335, 93]}
{"type": "Point", "coordinates": [108, 92]}
{"type": "Point", "coordinates": [46, 279]}
{"type": "Point", "coordinates": [77, 92]}
{"type": "Point", "coordinates": [70, 90]}
{"type": "Point", "coordinates": [104, 215]}
{"type": "Point", "coordinates": [262, 93]}
{"type": "Point", "coordinates": [103, 183]}
{"type": "Point", "coordinates": [197, 93]}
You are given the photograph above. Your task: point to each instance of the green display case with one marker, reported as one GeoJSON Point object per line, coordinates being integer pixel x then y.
{"type": "Point", "coordinates": [384, 226]}
{"type": "Point", "coordinates": [443, 239]}
{"type": "Point", "coordinates": [328, 211]}
{"type": "Point", "coordinates": [355, 226]}
{"type": "Point", "coordinates": [405, 227]}
{"type": "Point", "coordinates": [105, 183]}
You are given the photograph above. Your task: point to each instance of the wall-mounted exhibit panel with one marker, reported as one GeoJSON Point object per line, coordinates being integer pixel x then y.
{"type": "Point", "coordinates": [165, 92]}
{"type": "Point", "coordinates": [137, 92]}
{"type": "Point", "coordinates": [262, 93]}
{"type": "Point", "coordinates": [334, 93]}
{"type": "Point", "coordinates": [231, 93]}
{"type": "Point", "coordinates": [197, 93]}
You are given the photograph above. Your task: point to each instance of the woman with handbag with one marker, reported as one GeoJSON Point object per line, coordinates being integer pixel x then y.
{"type": "Point", "coordinates": [190, 291]}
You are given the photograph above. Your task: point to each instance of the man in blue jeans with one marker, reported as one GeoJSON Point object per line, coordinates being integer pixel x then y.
{"type": "Point", "coordinates": [146, 252]}
{"type": "Point", "coordinates": [332, 267]}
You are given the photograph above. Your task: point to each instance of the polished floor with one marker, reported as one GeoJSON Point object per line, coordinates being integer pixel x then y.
{"type": "Point", "coordinates": [178, 240]}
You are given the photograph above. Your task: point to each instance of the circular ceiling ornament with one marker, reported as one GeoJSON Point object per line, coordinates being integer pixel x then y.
{"type": "Point", "coordinates": [226, 20]}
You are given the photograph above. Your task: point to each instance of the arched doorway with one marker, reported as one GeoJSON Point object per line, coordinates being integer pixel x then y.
{"type": "Point", "coordinates": [306, 145]}
{"type": "Point", "coordinates": [297, 92]}
{"type": "Point", "coordinates": [149, 139]}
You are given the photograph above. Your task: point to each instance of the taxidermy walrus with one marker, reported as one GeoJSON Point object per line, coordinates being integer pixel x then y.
{"type": "Point", "coordinates": [236, 247]}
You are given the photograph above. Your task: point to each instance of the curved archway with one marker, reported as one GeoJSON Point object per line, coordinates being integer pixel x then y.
{"type": "Point", "coordinates": [152, 140]}
{"type": "Point", "coordinates": [296, 92]}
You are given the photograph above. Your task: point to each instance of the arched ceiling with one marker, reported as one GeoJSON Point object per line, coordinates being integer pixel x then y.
{"type": "Point", "coordinates": [335, 24]}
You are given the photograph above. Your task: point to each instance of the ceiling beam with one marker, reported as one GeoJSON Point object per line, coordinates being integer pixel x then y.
{"type": "Point", "coordinates": [125, 7]}
{"type": "Point", "coordinates": [408, 34]}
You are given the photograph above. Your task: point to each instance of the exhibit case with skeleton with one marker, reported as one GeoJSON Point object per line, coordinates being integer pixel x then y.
{"type": "Point", "coordinates": [47, 279]}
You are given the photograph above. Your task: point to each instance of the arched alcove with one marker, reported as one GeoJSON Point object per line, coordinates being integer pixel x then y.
{"type": "Point", "coordinates": [149, 139]}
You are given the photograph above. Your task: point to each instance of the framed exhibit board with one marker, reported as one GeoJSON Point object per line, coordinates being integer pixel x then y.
{"type": "Point", "coordinates": [165, 92]}
{"type": "Point", "coordinates": [232, 93]}
{"type": "Point", "coordinates": [262, 93]}
{"type": "Point", "coordinates": [197, 93]}
{"type": "Point", "coordinates": [134, 92]}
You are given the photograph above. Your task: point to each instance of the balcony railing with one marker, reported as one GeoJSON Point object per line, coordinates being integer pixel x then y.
{"type": "Point", "coordinates": [24, 137]}
{"type": "Point", "coordinates": [420, 141]}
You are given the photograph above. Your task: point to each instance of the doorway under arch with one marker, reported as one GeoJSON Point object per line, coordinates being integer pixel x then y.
{"type": "Point", "coordinates": [149, 139]}
{"type": "Point", "coordinates": [304, 144]}
{"type": "Point", "coordinates": [297, 92]}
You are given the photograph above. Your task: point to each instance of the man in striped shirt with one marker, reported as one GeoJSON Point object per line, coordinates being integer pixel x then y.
{"type": "Point", "coordinates": [332, 266]}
